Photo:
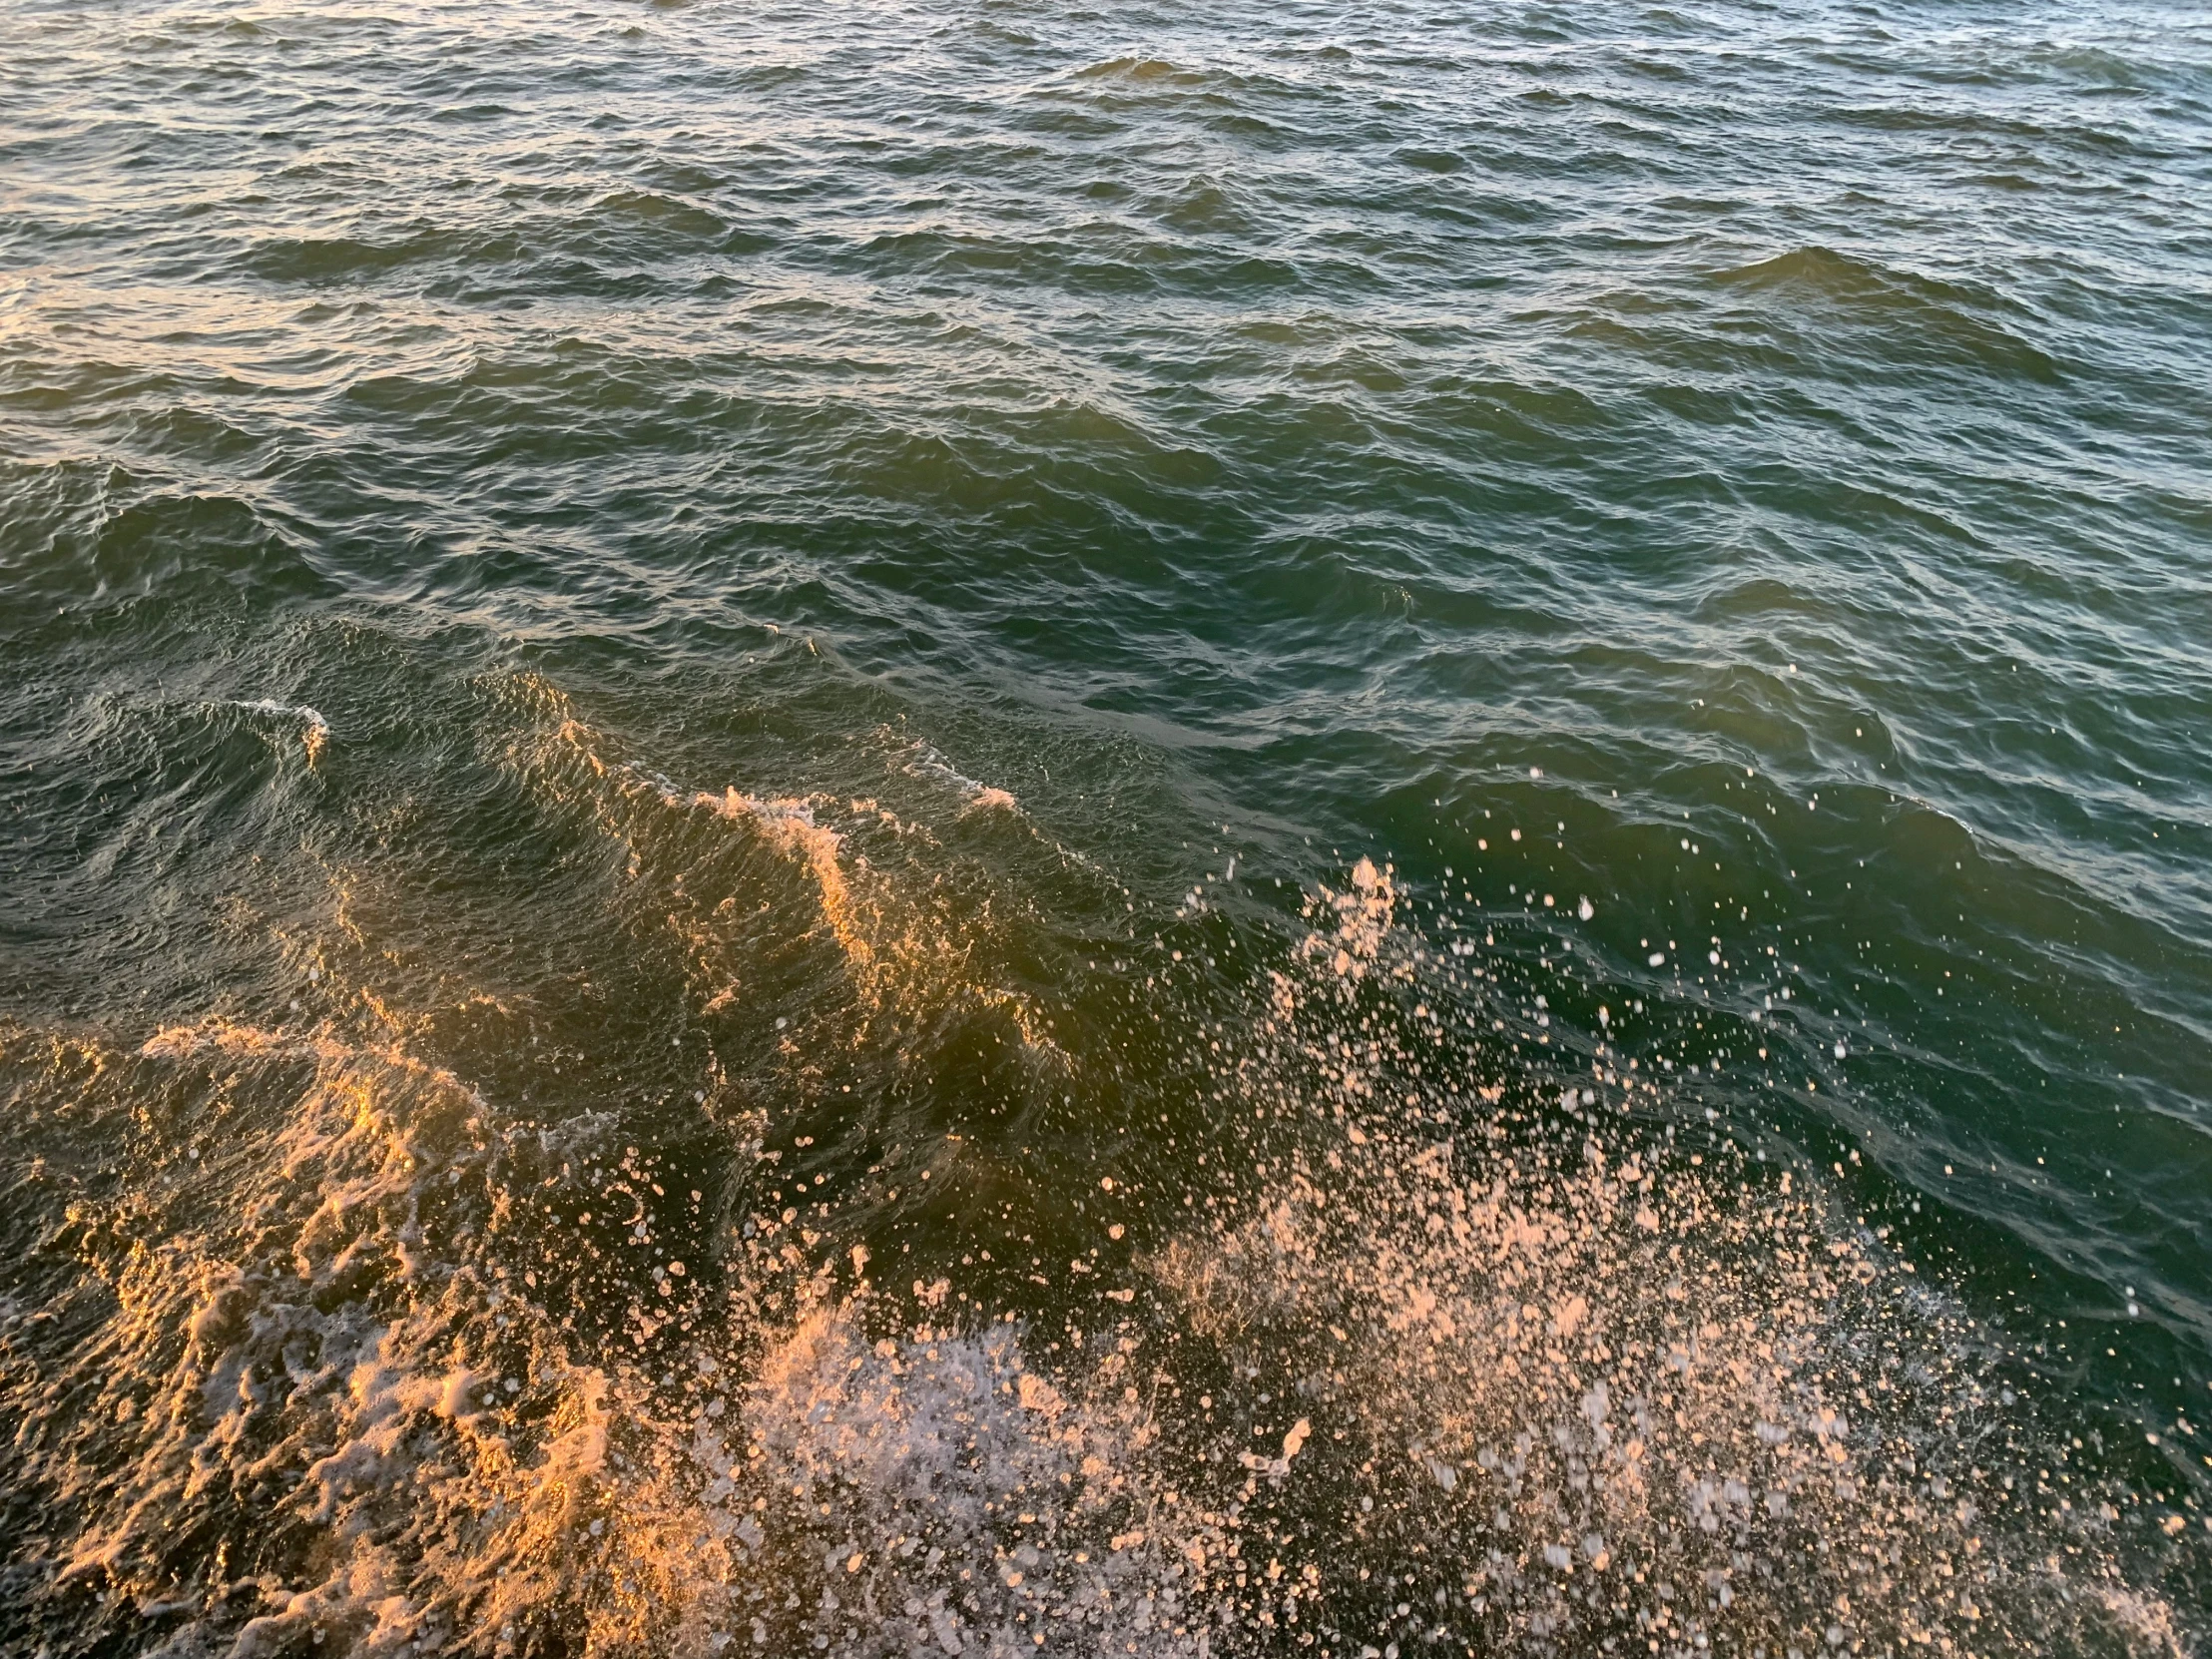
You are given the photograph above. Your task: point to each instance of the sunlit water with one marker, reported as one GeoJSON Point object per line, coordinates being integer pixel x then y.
{"type": "Point", "coordinates": [995, 830]}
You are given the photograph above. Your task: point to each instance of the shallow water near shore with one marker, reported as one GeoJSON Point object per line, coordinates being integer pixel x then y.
{"type": "Point", "coordinates": [993, 830]}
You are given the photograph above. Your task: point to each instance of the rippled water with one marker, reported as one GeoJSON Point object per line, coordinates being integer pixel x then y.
{"type": "Point", "coordinates": [992, 829]}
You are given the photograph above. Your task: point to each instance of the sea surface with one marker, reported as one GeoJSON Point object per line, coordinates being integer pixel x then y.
{"type": "Point", "coordinates": [978, 828]}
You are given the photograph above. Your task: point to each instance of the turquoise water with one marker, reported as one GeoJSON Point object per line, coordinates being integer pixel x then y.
{"type": "Point", "coordinates": [1440, 769]}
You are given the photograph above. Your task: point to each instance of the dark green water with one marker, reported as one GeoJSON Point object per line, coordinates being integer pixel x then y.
{"type": "Point", "coordinates": [989, 828]}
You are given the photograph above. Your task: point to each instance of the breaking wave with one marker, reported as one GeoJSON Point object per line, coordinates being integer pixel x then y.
{"type": "Point", "coordinates": [1386, 1336]}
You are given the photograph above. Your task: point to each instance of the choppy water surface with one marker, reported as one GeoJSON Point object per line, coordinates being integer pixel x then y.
{"type": "Point", "coordinates": [989, 828]}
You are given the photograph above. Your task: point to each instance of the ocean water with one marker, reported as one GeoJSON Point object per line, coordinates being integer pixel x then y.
{"type": "Point", "coordinates": [992, 829]}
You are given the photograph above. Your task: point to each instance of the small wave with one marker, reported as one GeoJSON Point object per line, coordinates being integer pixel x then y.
{"type": "Point", "coordinates": [1143, 70]}
{"type": "Point", "coordinates": [315, 733]}
{"type": "Point", "coordinates": [981, 797]}
{"type": "Point", "coordinates": [1955, 319]}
